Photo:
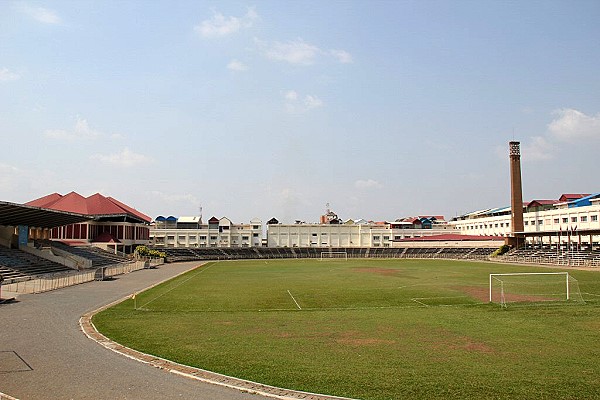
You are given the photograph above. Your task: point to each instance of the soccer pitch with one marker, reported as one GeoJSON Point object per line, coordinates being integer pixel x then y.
{"type": "Point", "coordinates": [369, 329]}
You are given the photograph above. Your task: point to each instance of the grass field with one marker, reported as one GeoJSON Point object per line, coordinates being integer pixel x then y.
{"type": "Point", "coordinates": [369, 329]}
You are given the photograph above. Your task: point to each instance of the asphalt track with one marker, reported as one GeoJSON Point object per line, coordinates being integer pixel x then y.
{"type": "Point", "coordinates": [45, 355]}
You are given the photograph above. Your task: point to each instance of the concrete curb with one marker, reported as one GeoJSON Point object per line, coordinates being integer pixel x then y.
{"type": "Point", "coordinates": [88, 328]}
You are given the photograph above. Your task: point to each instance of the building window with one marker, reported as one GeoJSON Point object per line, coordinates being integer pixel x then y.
{"type": "Point", "coordinates": [594, 218]}
{"type": "Point", "coordinates": [526, 223]}
{"type": "Point", "coordinates": [565, 220]}
{"type": "Point", "coordinates": [540, 222]}
{"type": "Point", "coordinates": [255, 235]}
{"type": "Point", "coordinates": [556, 220]}
{"type": "Point", "coordinates": [386, 238]}
{"type": "Point", "coordinates": [583, 218]}
{"type": "Point", "coordinates": [573, 219]}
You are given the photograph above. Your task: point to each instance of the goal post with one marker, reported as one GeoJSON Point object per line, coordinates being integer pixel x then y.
{"type": "Point", "coordinates": [333, 255]}
{"type": "Point", "coordinates": [533, 287]}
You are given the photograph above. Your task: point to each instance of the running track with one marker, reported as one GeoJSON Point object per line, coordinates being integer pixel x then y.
{"type": "Point", "coordinates": [44, 354]}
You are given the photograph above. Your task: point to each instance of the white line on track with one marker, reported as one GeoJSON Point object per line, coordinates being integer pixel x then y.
{"type": "Point", "coordinates": [297, 305]}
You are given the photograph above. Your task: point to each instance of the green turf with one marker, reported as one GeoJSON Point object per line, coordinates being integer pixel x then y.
{"type": "Point", "coordinates": [370, 329]}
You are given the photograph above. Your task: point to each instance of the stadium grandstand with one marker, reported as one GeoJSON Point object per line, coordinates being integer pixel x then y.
{"type": "Point", "coordinates": [112, 225]}
{"type": "Point", "coordinates": [48, 243]}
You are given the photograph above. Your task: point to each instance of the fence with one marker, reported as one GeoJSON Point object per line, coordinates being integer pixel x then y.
{"type": "Point", "coordinates": [567, 261]}
{"type": "Point", "coordinates": [59, 280]}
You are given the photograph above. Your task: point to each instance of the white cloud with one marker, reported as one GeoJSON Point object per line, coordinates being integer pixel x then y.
{"type": "Point", "coordinates": [293, 104]}
{"type": "Point", "coordinates": [81, 131]}
{"type": "Point", "coordinates": [7, 75]}
{"type": "Point", "coordinates": [238, 66]}
{"type": "Point", "coordinates": [40, 14]}
{"type": "Point", "coordinates": [538, 149]}
{"type": "Point", "coordinates": [296, 52]}
{"type": "Point", "coordinates": [342, 56]}
{"type": "Point", "coordinates": [573, 125]}
{"type": "Point", "coordinates": [125, 158]}
{"type": "Point", "coordinates": [220, 25]}
{"type": "Point", "coordinates": [570, 127]}
{"type": "Point", "coordinates": [367, 184]}
{"type": "Point", "coordinates": [291, 95]}
{"type": "Point", "coordinates": [312, 102]}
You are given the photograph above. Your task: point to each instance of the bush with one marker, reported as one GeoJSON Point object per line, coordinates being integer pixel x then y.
{"type": "Point", "coordinates": [502, 250]}
{"type": "Point", "coordinates": [143, 251]}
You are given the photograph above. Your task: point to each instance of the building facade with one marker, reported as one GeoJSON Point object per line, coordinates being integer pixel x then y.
{"type": "Point", "coordinates": [348, 234]}
{"type": "Point", "coordinates": [191, 232]}
{"type": "Point", "coordinates": [114, 226]}
{"type": "Point", "coordinates": [577, 220]}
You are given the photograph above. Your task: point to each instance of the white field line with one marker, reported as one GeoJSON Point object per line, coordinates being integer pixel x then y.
{"type": "Point", "coordinates": [297, 305]}
{"type": "Point", "coordinates": [174, 287]}
{"type": "Point", "coordinates": [591, 294]}
{"type": "Point", "coordinates": [417, 301]}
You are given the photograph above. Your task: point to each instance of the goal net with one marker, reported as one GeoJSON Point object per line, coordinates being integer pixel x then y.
{"type": "Point", "coordinates": [335, 255]}
{"type": "Point", "coordinates": [533, 287]}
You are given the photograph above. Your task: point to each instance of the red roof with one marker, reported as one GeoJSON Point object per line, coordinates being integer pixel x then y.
{"type": "Point", "coordinates": [450, 237]}
{"type": "Point", "coordinates": [106, 237]}
{"type": "Point", "coordinates": [572, 196]}
{"type": "Point", "coordinates": [93, 205]}
{"type": "Point", "coordinates": [542, 202]}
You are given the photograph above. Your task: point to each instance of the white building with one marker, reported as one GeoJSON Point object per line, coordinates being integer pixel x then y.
{"type": "Point", "coordinates": [347, 234]}
{"type": "Point", "coordinates": [191, 232]}
{"type": "Point", "coordinates": [541, 224]}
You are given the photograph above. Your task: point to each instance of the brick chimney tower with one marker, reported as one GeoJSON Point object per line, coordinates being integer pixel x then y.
{"type": "Point", "coordinates": [516, 192]}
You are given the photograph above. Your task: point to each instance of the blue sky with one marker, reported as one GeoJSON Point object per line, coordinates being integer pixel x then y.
{"type": "Point", "coordinates": [275, 108]}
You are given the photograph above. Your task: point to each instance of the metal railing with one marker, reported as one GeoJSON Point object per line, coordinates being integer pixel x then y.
{"type": "Point", "coordinates": [45, 283]}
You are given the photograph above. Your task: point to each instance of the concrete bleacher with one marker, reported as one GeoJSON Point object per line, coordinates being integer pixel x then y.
{"type": "Point", "coordinates": [175, 254]}
{"type": "Point", "coordinates": [554, 256]}
{"type": "Point", "coordinates": [98, 257]}
{"type": "Point", "coordinates": [18, 265]}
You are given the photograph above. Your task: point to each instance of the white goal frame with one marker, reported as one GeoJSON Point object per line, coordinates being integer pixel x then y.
{"type": "Point", "coordinates": [566, 275]}
{"type": "Point", "coordinates": [331, 253]}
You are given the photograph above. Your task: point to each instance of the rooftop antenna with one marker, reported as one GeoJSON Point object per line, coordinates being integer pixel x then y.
{"type": "Point", "coordinates": [200, 211]}
{"type": "Point", "coordinates": [327, 208]}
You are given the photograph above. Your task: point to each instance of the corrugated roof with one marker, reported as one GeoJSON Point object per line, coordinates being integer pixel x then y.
{"type": "Point", "coordinates": [450, 237]}
{"type": "Point", "coordinates": [12, 214]}
{"type": "Point", "coordinates": [584, 201]}
{"type": "Point", "coordinates": [189, 220]}
{"type": "Point", "coordinates": [94, 205]}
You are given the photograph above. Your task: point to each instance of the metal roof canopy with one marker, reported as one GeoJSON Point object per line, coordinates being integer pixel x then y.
{"type": "Point", "coordinates": [12, 214]}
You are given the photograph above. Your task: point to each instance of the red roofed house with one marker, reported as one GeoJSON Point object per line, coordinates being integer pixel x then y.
{"type": "Point", "coordinates": [572, 196]}
{"type": "Point", "coordinates": [115, 226]}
